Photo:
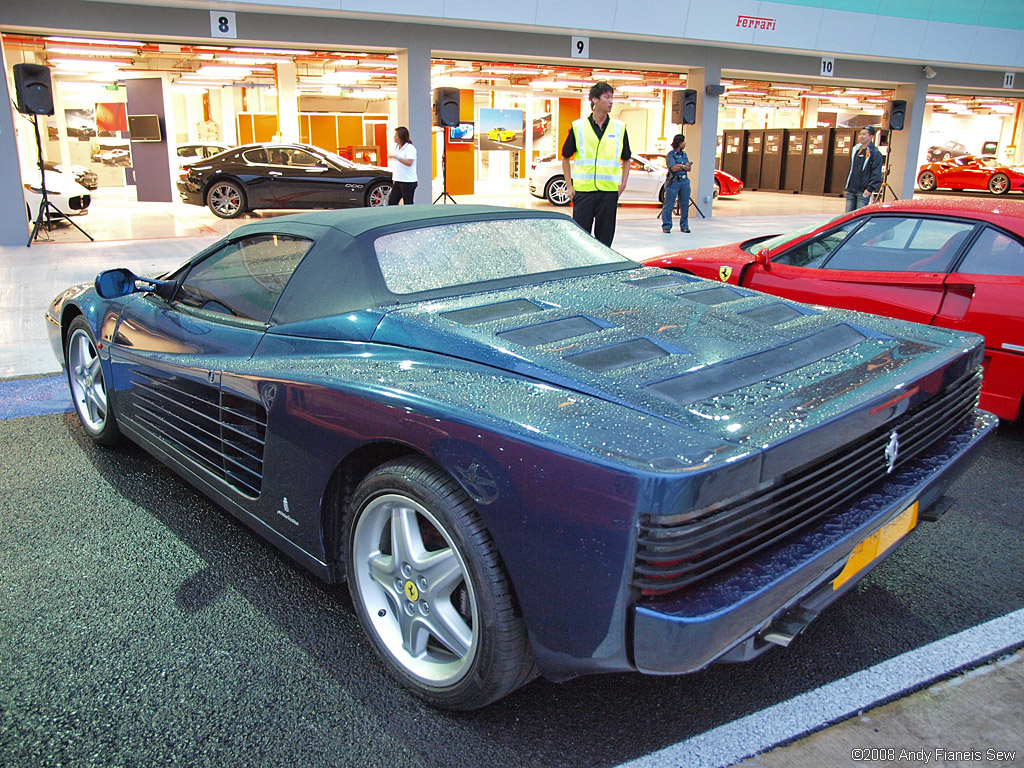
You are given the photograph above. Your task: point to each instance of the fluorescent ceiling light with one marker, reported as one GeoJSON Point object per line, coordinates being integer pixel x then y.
{"type": "Point", "coordinates": [617, 76]}
{"type": "Point", "coordinates": [73, 51]}
{"type": "Point", "coordinates": [512, 71]}
{"type": "Point", "coordinates": [86, 65]}
{"type": "Point", "coordinates": [233, 73]}
{"type": "Point", "coordinates": [745, 93]}
{"type": "Point", "coordinates": [241, 61]}
{"type": "Point", "coordinates": [279, 51]}
{"type": "Point", "coordinates": [862, 92]}
{"type": "Point", "coordinates": [88, 41]}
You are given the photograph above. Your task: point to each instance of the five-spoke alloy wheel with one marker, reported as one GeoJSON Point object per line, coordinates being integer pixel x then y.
{"type": "Point", "coordinates": [88, 386]}
{"type": "Point", "coordinates": [429, 587]}
{"type": "Point", "coordinates": [557, 191]}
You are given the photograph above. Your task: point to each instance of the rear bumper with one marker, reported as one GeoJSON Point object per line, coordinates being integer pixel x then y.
{"type": "Point", "coordinates": [729, 618]}
{"type": "Point", "coordinates": [187, 195]}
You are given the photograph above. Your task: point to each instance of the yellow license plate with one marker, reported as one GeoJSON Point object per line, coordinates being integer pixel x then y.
{"type": "Point", "coordinates": [877, 544]}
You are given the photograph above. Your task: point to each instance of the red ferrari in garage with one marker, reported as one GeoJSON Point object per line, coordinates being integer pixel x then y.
{"type": "Point", "coordinates": [956, 264]}
{"type": "Point", "coordinates": [974, 172]}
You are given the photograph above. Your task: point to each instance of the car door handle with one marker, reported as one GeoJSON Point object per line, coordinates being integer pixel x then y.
{"type": "Point", "coordinates": [274, 173]}
{"type": "Point", "coordinates": [316, 170]}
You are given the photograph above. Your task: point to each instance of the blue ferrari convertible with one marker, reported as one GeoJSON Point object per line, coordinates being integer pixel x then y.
{"type": "Point", "coordinates": [525, 453]}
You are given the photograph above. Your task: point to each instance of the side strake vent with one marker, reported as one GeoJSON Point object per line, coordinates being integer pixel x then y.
{"type": "Point", "coordinates": [741, 372]}
{"type": "Point", "coordinates": [555, 330]}
{"type": "Point", "coordinates": [223, 433]}
{"type": "Point", "coordinates": [621, 355]}
{"type": "Point", "coordinates": [490, 312]}
{"type": "Point", "coordinates": [773, 314]}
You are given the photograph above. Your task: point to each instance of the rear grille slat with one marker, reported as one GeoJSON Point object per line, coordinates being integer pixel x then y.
{"type": "Point", "coordinates": [221, 432]}
{"type": "Point", "coordinates": [676, 551]}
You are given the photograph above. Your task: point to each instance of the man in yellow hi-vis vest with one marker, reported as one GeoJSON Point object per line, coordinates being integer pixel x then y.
{"type": "Point", "coordinates": [600, 166]}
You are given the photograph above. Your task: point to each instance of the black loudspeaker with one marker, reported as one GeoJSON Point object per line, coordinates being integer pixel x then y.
{"type": "Point", "coordinates": [897, 114]}
{"type": "Point", "coordinates": [32, 89]}
{"type": "Point", "coordinates": [684, 106]}
{"type": "Point", "coordinates": [446, 106]}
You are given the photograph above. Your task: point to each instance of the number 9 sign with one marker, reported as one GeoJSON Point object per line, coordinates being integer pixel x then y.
{"type": "Point", "coordinates": [222, 24]}
{"type": "Point", "coordinates": [580, 48]}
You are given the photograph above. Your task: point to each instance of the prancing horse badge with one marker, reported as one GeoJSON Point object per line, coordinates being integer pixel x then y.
{"type": "Point", "coordinates": [724, 273]}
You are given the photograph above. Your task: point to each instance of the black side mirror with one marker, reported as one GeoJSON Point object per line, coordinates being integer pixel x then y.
{"type": "Point", "coordinates": [115, 283]}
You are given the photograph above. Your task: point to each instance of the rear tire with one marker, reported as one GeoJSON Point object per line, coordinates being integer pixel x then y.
{"type": "Point", "coordinates": [999, 184]}
{"type": "Point", "coordinates": [557, 191]}
{"type": "Point", "coordinates": [226, 200]}
{"type": "Point", "coordinates": [430, 589]}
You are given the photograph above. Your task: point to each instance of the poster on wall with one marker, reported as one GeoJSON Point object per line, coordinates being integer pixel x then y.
{"type": "Point", "coordinates": [81, 123]}
{"type": "Point", "coordinates": [502, 129]}
{"type": "Point", "coordinates": [111, 119]}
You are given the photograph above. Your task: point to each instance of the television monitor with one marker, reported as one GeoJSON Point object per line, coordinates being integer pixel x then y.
{"type": "Point", "coordinates": [461, 132]}
{"type": "Point", "coordinates": [144, 128]}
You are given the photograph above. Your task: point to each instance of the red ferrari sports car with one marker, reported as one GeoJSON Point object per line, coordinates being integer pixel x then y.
{"type": "Point", "coordinates": [976, 172]}
{"type": "Point", "coordinates": [956, 264]}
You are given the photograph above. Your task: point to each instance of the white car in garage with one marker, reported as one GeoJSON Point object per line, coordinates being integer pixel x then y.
{"type": "Point", "coordinates": [644, 184]}
{"type": "Point", "coordinates": [66, 194]}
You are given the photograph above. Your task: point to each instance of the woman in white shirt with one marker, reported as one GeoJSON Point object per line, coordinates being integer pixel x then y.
{"type": "Point", "coordinates": [403, 165]}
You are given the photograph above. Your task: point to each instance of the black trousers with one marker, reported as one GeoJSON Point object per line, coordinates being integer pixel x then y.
{"type": "Point", "coordinates": [401, 190]}
{"type": "Point", "coordinates": [595, 212]}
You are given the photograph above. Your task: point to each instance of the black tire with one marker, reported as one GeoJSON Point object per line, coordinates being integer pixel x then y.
{"type": "Point", "coordinates": [458, 642]}
{"type": "Point", "coordinates": [226, 199]}
{"type": "Point", "coordinates": [718, 189]}
{"type": "Point", "coordinates": [926, 181]}
{"type": "Point", "coordinates": [377, 195]}
{"type": "Point", "coordinates": [999, 184]}
{"type": "Point", "coordinates": [661, 195]}
{"type": "Point", "coordinates": [88, 386]}
{"type": "Point", "coordinates": [557, 191]}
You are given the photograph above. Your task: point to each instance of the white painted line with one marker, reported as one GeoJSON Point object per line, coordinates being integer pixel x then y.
{"type": "Point", "coordinates": [788, 720]}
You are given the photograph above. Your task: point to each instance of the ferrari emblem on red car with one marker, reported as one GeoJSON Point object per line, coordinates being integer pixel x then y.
{"type": "Point", "coordinates": [724, 273]}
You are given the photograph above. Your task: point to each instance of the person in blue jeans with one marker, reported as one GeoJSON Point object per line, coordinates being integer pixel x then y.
{"type": "Point", "coordinates": [677, 185]}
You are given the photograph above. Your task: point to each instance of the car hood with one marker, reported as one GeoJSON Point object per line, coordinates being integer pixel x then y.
{"type": "Point", "coordinates": [751, 368]}
{"type": "Point", "coordinates": [731, 255]}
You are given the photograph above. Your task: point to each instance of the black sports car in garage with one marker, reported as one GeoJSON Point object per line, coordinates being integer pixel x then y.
{"type": "Point", "coordinates": [259, 176]}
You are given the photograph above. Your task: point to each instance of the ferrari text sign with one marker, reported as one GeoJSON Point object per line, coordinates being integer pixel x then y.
{"type": "Point", "coordinates": [754, 22]}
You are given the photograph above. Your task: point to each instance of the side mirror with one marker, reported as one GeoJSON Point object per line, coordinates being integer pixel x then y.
{"type": "Point", "coordinates": [763, 259]}
{"type": "Point", "coordinates": [115, 283]}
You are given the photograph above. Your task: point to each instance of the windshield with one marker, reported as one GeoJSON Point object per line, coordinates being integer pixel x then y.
{"type": "Point", "coordinates": [464, 253]}
{"type": "Point", "coordinates": [775, 241]}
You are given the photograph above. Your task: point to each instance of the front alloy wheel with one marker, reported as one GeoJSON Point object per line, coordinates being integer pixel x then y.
{"type": "Point", "coordinates": [430, 590]}
{"type": "Point", "coordinates": [88, 387]}
{"type": "Point", "coordinates": [926, 182]}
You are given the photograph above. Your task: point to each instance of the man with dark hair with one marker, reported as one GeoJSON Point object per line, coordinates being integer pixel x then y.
{"type": "Point", "coordinates": [599, 149]}
{"type": "Point", "coordinates": [865, 171]}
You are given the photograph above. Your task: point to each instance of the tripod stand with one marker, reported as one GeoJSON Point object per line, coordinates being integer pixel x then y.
{"type": "Point", "coordinates": [47, 212]}
{"type": "Point", "coordinates": [885, 189]}
{"type": "Point", "coordinates": [444, 197]}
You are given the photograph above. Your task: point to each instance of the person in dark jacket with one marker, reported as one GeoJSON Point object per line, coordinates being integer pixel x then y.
{"type": "Point", "coordinates": [865, 171]}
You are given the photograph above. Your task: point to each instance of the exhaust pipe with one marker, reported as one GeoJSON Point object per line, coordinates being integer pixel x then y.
{"type": "Point", "coordinates": [784, 629]}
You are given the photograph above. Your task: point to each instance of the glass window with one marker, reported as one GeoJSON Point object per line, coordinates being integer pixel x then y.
{"type": "Point", "coordinates": [994, 253]}
{"type": "Point", "coordinates": [430, 258]}
{"type": "Point", "coordinates": [244, 279]}
{"type": "Point", "coordinates": [299, 157]}
{"type": "Point", "coordinates": [258, 156]}
{"type": "Point", "coordinates": [901, 244]}
{"type": "Point", "coordinates": [813, 252]}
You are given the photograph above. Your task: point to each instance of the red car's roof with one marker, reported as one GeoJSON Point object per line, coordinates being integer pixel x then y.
{"type": "Point", "coordinates": [1008, 213]}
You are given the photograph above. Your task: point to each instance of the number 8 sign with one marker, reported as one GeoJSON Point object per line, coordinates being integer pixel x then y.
{"type": "Point", "coordinates": [222, 24]}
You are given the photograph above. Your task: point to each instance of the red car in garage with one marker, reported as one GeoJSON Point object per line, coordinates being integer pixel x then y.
{"type": "Point", "coordinates": [955, 264]}
{"type": "Point", "coordinates": [974, 172]}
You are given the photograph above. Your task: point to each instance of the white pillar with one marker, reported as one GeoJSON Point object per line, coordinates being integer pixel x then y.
{"type": "Point", "coordinates": [701, 137]}
{"type": "Point", "coordinates": [905, 145]}
{"type": "Point", "coordinates": [414, 107]}
{"type": "Point", "coordinates": [287, 102]}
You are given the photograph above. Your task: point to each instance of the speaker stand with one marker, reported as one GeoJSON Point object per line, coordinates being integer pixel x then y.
{"type": "Point", "coordinates": [48, 212]}
{"type": "Point", "coordinates": [886, 189]}
{"type": "Point", "coordinates": [444, 197]}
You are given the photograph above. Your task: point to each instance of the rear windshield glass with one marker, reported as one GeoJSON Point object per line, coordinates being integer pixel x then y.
{"type": "Point", "coordinates": [463, 253]}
